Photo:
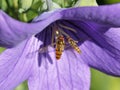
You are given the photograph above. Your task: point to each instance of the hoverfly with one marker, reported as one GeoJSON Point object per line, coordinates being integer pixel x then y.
{"type": "Point", "coordinates": [60, 45]}
{"type": "Point", "coordinates": [73, 44]}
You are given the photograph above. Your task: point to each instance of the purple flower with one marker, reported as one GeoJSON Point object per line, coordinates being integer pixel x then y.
{"type": "Point", "coordinates": [34, 59]}
{"type": "Point", "coordinates": [12, 32]}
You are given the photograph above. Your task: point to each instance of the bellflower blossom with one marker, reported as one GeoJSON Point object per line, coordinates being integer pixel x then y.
{"type": "Point", "coordinates": [96, 29]}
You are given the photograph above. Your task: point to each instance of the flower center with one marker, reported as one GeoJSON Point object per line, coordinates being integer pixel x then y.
{"type": "Point", "coordinates": [60, 40]}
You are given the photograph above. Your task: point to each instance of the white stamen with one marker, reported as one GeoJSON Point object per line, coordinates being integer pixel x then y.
{"type": "Point", "coordinates": [68, 28]}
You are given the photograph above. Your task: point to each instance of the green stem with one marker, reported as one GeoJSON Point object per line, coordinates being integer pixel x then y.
{"type": "Point", "coordinates": [8, 6]}
{"type": "Point", "coordinates": [63, 3]}
{"type": "Point", "coordinates": [49, 4]}
{"type": "Point", "coordinates": [15, 4]}
{"type": "Point", "coordinates": [24, 17]}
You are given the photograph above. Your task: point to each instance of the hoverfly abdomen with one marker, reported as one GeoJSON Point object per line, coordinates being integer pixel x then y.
{"type": "Point", "coordinates": [58, 54]}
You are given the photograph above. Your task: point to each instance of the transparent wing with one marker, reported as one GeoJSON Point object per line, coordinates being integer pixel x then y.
{"type": "Point", "coordinates": [49, 49]}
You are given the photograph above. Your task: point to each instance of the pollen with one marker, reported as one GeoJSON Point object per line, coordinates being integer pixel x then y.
{"type": "Point", "coordinates": [57, 32]}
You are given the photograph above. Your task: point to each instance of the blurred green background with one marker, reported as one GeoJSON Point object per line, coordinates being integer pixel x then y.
{"type": "Point", "coordinates": [27, 11]}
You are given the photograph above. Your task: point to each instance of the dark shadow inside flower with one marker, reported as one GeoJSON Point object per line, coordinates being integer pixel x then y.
{"type": "Point", "coordinates": [45, 37]}
{"type": "Point", "coordinates": [90, 31]}
{"type": "Point", "coordinates": [97, 36]}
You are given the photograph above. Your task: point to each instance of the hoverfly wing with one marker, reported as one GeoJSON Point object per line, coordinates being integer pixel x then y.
{"type": "Point", "coordinates": [46, 49]}
{"type": "Point", "coordinates": [42, 50]}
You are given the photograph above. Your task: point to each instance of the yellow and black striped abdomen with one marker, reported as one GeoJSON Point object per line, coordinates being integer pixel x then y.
{"type": "Point", "coordinates": [77, 49]}
{"type": "Point", "coordinates": [59, 50]}
{"type": "Point", "coordinates": [58, 54]}
{"type": "Point", "coordinates": [75, 46]}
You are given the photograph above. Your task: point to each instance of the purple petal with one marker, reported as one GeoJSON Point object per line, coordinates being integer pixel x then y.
{"type": "Point", "coordinates": [100, 45]}
{"type": "Point", "coordinates": [107, 14]}
{"type": "Point", "coordinates": [84, 30]}
{"type": "Point", "coordinates": [21, 63]}
{"type": "Point", "coordinates": [105, 58]}
{"type": "Point", "coordinates": [13, 32]}
{"type": "Point", "coordinates": [99, 50]}
{"type": "Point", "coordinates": [66, 74]}
{"type": "Point", "coordinates": [15, 66]}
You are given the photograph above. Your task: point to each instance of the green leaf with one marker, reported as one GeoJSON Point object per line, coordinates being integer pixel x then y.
{"type": "Point", "coordinates": [37, 4]}
{"type": "Point", "coordinates": [28, 11]}
{"type": "Point", "coordinates": [1, 49]}
{"type": "Point", "coordinates": [111, 1]}
{"type": "Point", "coordinates": [25, 4]}
{"type": "Point", "coordinates": [55, 6]}
{"type": "Point", "coordinates": [22, 86]}
{"type": "Point", "coordinates": [3, 5]}
{"type": "Point", "coordinates": [31, 14]}
{"type": "Point", "coordinates": [86, 3]}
